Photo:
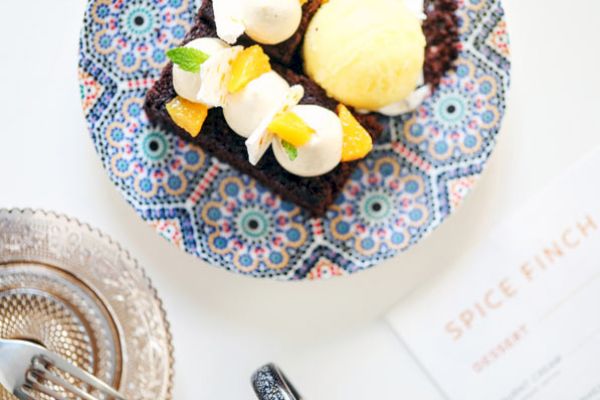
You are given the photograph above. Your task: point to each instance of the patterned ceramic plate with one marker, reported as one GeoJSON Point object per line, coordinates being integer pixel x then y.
{"type": "Point", "coordinates": [412, 181]}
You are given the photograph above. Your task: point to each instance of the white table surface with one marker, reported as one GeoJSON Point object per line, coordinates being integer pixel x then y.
{"type": "Point", "coordinates": [328, 336]}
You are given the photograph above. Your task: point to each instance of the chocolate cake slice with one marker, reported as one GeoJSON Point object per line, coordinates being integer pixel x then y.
{"type": "Point", "coordinates": [443, 40]}
{"type": "Point", "coordinates": [282, 53]}
{"type": "Point", "coordinates": [313, 194]}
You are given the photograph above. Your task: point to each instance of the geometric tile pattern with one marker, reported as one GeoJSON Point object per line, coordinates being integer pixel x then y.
{"type": "Point", "coordinates": [418, 174]}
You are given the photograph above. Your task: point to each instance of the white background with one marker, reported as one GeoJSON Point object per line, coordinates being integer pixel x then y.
{"type": "Point", "coordinates": [327, 335]}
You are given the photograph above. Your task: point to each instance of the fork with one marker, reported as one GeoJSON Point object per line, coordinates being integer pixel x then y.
{"type": "Point", "coordinates": [28, 370]}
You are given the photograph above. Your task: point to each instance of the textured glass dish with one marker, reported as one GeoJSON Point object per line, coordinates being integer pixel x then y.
{"type": "Point", "coordinates": [78, 293]}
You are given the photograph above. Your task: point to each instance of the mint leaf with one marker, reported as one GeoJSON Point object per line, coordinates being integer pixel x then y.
{"type": "Point", "coordinates": [187, 58]}
{"type": "Point", "coordinates": [290, 149]}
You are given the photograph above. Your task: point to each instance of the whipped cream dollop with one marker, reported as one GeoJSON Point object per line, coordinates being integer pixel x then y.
{"type": "Point", "coordinates": [261, 139]}
{"type": "Point", "coordinates": [323, 152]}
{"type": "Point", "coordinates": [245, 109]}
{"type": "Point", "coordinates": [214, 75]}
{"type": "Point", "coordinates": [271, 21]}
{"type": "Point", "coordinates": [265, 21]}
{"type": "Point", "coordinates": [187, 84]}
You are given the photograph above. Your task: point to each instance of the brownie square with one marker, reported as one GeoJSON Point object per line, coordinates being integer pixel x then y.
{"type": "Point", "coordinates": [282, 53]}
{"type": "Point", "coordinates": [313, 194]}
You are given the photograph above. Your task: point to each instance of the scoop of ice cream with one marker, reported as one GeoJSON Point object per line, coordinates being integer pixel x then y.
{"type": "Point", "coordinates": [365, 55]}
{"type": "Point", "coordinates": [271, 21]}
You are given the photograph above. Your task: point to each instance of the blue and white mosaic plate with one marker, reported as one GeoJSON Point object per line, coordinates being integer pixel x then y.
{"type": "Point", "coordinates": [413, 180]}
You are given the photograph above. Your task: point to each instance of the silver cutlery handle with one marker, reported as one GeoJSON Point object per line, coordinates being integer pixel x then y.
{"type": "Point", "coordinates": [270, 383]}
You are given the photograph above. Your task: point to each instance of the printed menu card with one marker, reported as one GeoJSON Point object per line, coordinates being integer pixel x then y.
{"type": "Point", "coordinates": [519, 317]}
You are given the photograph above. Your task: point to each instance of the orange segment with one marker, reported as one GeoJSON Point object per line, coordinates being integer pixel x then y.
{"type": "Point", "coordinates": [187, 115]}
{"type": "Point", "coordinates": [291, 128]}
{"type": "Point", "coordinates": [251, 63]}
{"type": "Point", "coordinates": [357, 141]}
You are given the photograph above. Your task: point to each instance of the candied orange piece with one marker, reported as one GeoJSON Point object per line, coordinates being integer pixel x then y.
{"type": "Point", "coordinates": [187, 115]}
{"type": "Point", "coordinates": [357, 141]}
{"type": "Point", "coordinates": [251, 63]}
{"type": "Point", "coordinates": [291, 128]}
